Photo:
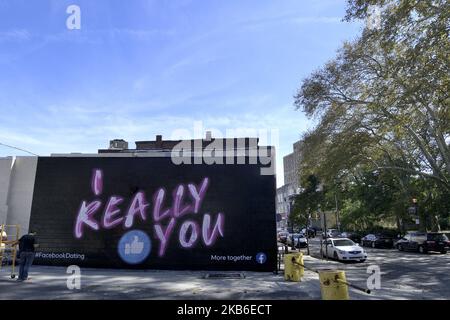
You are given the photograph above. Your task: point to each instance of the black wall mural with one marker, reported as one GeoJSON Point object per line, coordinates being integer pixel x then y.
{"type": "Point", "coordinates": [150, 213]}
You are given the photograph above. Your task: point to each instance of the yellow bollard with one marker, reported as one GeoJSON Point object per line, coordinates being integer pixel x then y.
{"type": "Point", "coordinates": [292, 270]}
{"type": "Point", "coordinates": [330, 288]}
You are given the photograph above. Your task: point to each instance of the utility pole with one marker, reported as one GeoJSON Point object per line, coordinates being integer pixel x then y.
{"type": "Point", "coordinates": [338, 222]}
{"type": "Point", "coordinates": [324, 233]}
{"type": "Point", "coordinates": [307, 231]}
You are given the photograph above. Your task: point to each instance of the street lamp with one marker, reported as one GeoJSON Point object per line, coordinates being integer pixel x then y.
{"type": "Point", "coordinates": [324, 233]}
{"type": "Point", "coordinates": [338, 221]}
{"type": "Point", "coordinates": [307, 231]}
{"type": "Point", "coordinates": [291, 206]}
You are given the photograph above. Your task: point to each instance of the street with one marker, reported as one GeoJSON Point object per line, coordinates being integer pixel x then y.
{"type": "Point", "coordinates": [404, 275]}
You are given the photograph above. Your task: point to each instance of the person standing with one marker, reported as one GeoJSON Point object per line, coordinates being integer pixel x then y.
{"type": "Point", "coordinates": [27, 245]}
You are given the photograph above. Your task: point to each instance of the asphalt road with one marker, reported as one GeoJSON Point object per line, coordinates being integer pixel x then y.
{"type": "Point", "coordinates": [404, 275]}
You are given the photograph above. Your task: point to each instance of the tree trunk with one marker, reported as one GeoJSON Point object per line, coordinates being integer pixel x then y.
{"type": "Point", "coordinates": [399, 224]}
{"type": "Point", "coordinates": [437, 224]}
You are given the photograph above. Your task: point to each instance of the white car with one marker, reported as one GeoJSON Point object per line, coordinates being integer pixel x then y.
{"type": "Point", "coordinates": [343, 249]}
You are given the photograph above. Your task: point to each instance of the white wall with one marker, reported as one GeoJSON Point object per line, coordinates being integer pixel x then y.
{"type": "Point", "coordinates": [21, 188]}
{"type": "Point", "coordinates": [5, 174]}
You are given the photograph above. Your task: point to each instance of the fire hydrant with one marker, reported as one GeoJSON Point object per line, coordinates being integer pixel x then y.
{"type": "Point", "coordinates": [293, 266]}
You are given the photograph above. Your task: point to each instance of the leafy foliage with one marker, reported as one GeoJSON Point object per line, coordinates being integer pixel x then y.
{"type": "Point", "coordinates": [384, 116]}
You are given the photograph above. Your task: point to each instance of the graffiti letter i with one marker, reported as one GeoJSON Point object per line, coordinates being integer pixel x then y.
{"type": "Point", "coordinates": [97, 182]}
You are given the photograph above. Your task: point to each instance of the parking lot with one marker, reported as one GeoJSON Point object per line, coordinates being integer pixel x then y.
{"type": "Point", "coordinates": [404, 275]}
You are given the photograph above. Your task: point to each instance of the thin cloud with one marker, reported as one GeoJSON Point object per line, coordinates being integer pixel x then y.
{"type": "Point", "coordinates": [288, 19]}
{"type": "Point", "coordinates": [80, 127]}
{"type": "Point", "coordinates": [316, 20]}
{"type": "Point", "coordinates": [15, 35]}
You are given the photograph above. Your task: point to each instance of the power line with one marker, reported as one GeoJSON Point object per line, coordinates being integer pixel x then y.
{"type": "Point", "coordinates": [6, 145]}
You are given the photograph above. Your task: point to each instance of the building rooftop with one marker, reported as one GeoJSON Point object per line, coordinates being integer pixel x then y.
{"type": "Point", "coordinates": [121, 146]}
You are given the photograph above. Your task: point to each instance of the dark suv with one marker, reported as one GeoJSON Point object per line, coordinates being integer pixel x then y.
{"type": "Point", "coordinates": [377, 241]}
{"type": "Point", "coordinates": [424, 242]}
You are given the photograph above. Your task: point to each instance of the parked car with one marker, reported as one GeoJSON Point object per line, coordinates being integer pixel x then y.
{"type": "Point", "coordinates": [343, 249]}
{"type": "Point", "coordinates": [301, 241]}
{"type": "Point", "coordinates": [332, 233]}
{"type": "Point", "coordinates": [447, 234]}
{"type": "Point", "coordinates": [292, 238]}
{"type": "Point", "coordinates": [424, 242]}
{"type": "Point", "coordinates": [311, 232]}
{"type": "Point", "coordinates": [355, 237]}
{"type": "Point", "coordinates": [282, 236]}
{"type": "Point", "coordinates": [377, 241]}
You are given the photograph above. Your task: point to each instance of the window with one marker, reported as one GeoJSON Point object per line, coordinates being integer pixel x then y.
{"type": "Point", "coordinates": [437, 237]}
{"type": "Point", "coordinates": [342, 243]}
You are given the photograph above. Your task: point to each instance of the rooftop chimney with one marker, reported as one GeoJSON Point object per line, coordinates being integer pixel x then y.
{"type": "Point", "coordinates": [158, 141]}
{"type": "Point", "coordinates": [208, 136]}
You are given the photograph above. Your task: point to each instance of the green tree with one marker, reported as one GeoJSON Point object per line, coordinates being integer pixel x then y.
{"type": "Point", "coordinates": [307, 202]}
{"type": "Point", "coordinates": [389, 90]}
{"type": "Point", "coordinates": [383, 111]}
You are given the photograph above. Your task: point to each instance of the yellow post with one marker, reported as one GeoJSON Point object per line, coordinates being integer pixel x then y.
{"type": "Point", "coordinates": [332, 289]}
{"type": "Point", "coordinates": [293, 270]}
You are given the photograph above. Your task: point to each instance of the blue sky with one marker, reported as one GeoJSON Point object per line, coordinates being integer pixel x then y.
{"type": "Point", "coordinates": [144, 67]}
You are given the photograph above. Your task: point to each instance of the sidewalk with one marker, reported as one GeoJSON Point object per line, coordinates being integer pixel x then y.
{"type": "Point", "coordinates": [50, 283]}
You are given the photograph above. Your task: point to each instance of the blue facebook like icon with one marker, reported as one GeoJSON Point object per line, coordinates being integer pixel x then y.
{"type": "Point", "coordinates": [134, 247]}
{"type": "Point", "coordinates": [261, 258]}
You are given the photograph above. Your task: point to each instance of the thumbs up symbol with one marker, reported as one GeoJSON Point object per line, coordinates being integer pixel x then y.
{"type": "Point", "coordinates": [135, 247]}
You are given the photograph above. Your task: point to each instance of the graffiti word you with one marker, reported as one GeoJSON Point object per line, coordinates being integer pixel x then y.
{"type": "Point", "coordinates": [186, 200]}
